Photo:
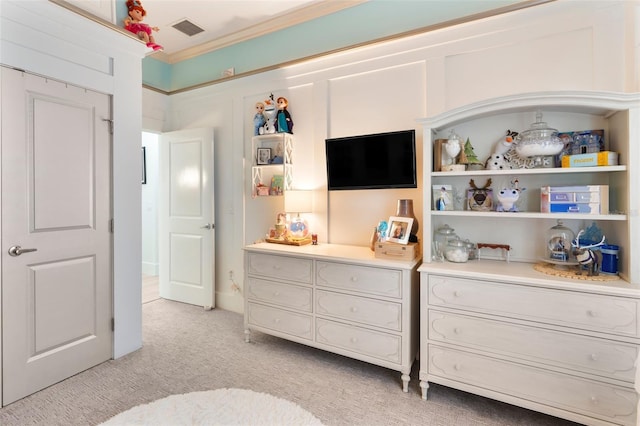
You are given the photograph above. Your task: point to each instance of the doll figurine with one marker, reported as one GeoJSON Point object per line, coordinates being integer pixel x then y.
{"type": "Point", "coordinates": [258, 119]}
{"type": "Point", "coordinates": [133, 23]}
{"type": "Point", "coordinates": [284, 124]}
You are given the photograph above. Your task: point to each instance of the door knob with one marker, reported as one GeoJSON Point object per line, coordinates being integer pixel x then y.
{"type": "Point", "coordinates": [17, 250]}
{"type": "Point", "coordinates": [208, 226]}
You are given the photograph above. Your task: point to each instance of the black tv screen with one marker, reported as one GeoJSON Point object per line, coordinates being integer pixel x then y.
{"type": "Point", "coordinates": [376, 161]}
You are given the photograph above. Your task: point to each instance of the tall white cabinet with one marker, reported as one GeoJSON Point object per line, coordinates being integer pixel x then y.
{"type": "Point", "coordinates": [563, 346]}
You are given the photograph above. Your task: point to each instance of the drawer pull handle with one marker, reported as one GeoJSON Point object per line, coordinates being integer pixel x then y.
{"type": "Point", "coordinates": [456, 367]}
{"type": "Point", "coordinates": [354, 309]}
{"type": "Point", "coordinates": [594, 357]}
{"type": "Point", "coordinates": [277, 293]}
{"type": "Point", "coordinates": [354, 340]}
{"type": "Point", "coordinates": [594, 400]}
{"type": "Point", "coordinates": [276, 267]}
{"type": "Point", "coordinates": [456, 330]}
{"type": "Point", "coordinates": [592, 314]}
{"type": "Point", "coordinates": [277, 320]}
{"type": "Point", "coordinates": [354, 279]}
{"type": "Point", "coordinates": [456, 293]}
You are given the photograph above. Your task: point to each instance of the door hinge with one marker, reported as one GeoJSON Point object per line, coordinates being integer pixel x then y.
{"type": "Point", "coordinates": [110, 121]}
{"type": "Point", "coordinates": [113, 324]}
{"type": "Point", "coordinates": [111, 225]}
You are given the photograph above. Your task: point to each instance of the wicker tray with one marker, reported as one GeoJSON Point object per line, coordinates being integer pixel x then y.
{"type": "Point", "coordinates": [289, 242]}
{"type": "Point", "coordinates": [571, 272]}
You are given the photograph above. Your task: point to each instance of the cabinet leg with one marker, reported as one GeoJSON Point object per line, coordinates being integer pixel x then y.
{"type": "Point", "coordinates": [424, 385]}
{"type": "Point", "coordinates": [405, 382]}
{"type": "Point", "coordinates": [247, 335]}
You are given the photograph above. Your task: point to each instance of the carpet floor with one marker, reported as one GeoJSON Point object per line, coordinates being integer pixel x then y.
{"type": "Point", "coordinates": [187, 349]}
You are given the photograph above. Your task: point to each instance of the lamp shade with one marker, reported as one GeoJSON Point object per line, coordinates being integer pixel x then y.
{"type": "Point", "coordinates": [298, 201]}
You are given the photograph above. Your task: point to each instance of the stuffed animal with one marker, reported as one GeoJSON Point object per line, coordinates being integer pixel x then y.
{"type": "Point", "coordinates": [507, 198]}
{"type": "Point", "coordinates": [497, 160]}
{"type": "Point", "coordinates": [269, 116]}
{"type": "Point", "coordinates": [283, 122]}
{"type": "Point", "coordinates": [133, 23]}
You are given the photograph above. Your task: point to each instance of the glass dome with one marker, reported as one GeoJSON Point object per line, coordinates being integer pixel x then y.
{"type": "Point", "coordinates": [558, 244]}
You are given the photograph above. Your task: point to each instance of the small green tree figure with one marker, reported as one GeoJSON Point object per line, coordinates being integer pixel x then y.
{"type": "Point", "coordinates": [469, 158]}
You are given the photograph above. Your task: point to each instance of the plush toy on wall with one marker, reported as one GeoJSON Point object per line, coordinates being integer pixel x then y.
{"type": "Point", "coordinates": [269, 116]}
{"type": "Point", "coordinates": [258, 119]}
{"type": "Point", "coordinates": [284, 124]}
{"type": "Point", "coordinates": [133, 23]}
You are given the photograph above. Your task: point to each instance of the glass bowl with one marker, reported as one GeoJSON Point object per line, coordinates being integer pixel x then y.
{"type": "Point", "coordinates": [539, 141]}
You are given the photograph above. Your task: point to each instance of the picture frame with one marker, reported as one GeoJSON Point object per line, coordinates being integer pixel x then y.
{"type": "Point", "coordinates": [144, 165]}
{"type": "Point", "coordinates": [277, 185]}
{"type": "Point", "coordinates": [263, 156]}
{"type": "Point", "coordinates": [399, 229]}
{"type": "Point", "coordinates": [442, 197]}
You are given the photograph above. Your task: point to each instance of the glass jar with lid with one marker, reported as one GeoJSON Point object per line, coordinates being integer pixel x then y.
{"type": "Point", "coordinates": [472, 249]}
{"type": "Point", "coordinates": [456, 251]}
{"type": "Point", "coordinates": [440, 239]}
{"type": "Point", "coordinates": [538, 142]}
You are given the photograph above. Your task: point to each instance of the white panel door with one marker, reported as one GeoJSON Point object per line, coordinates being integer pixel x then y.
{"type": "Point", "coordinates": [186, 217]}
{"type": "Point", "coordinates": [56, 180]}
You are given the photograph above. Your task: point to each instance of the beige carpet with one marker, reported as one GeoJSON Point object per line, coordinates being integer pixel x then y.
{"type": "Point", "coordinates": [187, 349]}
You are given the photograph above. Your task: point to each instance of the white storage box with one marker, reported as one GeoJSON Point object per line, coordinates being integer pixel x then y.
{"type": "Point", "coordinates": [589, 199]}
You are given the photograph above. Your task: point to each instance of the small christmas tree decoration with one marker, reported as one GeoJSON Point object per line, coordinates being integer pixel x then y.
{"type": "Point", "coordinates": [468, 156]}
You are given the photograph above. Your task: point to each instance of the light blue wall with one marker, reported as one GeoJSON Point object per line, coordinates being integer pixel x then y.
{"type": "Point", "coordinates": [359, 24]}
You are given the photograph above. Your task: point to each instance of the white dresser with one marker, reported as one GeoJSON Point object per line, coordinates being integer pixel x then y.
{"type": "Point", "coordinates": [335, 297]}
{"type": "Point", "coordinates": [564, 347]}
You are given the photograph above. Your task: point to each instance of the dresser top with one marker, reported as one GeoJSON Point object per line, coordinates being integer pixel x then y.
{"type": "Point", "coordinates": [524, 273]}
{"type": "Point", "coordinates": [337, 252]}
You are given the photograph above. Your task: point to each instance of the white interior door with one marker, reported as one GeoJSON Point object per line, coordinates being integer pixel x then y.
{"type": "Point", "coordinates": [186, 217]}
{"type": "Point", "coordinates": [56, 201]}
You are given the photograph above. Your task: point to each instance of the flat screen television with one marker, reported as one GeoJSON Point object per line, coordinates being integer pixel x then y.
{"type": "Point", "coordinates": [376, 161]}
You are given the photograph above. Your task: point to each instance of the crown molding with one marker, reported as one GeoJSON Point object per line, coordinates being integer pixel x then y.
{"type": "Point", "coordinates": [304, 14]}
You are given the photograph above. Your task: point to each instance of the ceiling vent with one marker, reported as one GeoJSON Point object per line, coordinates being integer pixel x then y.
{"type": "Point", "coordinates": [187, 27]}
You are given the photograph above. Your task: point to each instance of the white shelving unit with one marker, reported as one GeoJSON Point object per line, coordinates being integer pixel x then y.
{"type": "Point", "coordinates": [485, 123]}
{"type": "Point", "coordinates": [567, 347]}
{"type": "Point", "coordinates": [280, 144]}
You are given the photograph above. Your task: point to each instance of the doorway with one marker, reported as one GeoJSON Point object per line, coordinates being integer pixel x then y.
{"type": "Point", "coordinates": [149, 210]}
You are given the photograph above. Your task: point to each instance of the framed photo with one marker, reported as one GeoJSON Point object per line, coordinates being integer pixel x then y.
{"type": "Point", "coordinates": [442, 197]}
{"type": "Point", "coordinates": [263, 156]}
{"type": "Point", "coordinates": [277, 185]}
{"type": "Point", "coordinates": [399, 229]}
{"type": "Point", "coordinates": [144, 165]}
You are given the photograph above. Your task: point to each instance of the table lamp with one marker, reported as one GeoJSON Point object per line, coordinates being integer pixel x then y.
{"type": "Point", "coordinates": [296, 202]}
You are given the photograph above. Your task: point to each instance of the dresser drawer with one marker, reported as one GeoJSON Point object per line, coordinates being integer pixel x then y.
{"type": "Point", "coordinates": [387, 347]}
{"type": "Point", "coordinates": [284, 267]}
{"type": "Point", "coordinates": [606, 314]}
{"type": "Point", "coordinates": [287, 295]}
{"type": "Point", "coordinates": [292, 323]}
{"type": "Point", "coordinates": [590, 355]}
{"type": "Point", "coordinates": [600, 400]}
{"type": "Point", "coordinates": [379, 281]}
{"type": "Point", "coordinates": [374, 312]}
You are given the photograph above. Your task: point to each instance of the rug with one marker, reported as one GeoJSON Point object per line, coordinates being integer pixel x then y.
{"type": "Point", "coordinates": [217, 407]}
